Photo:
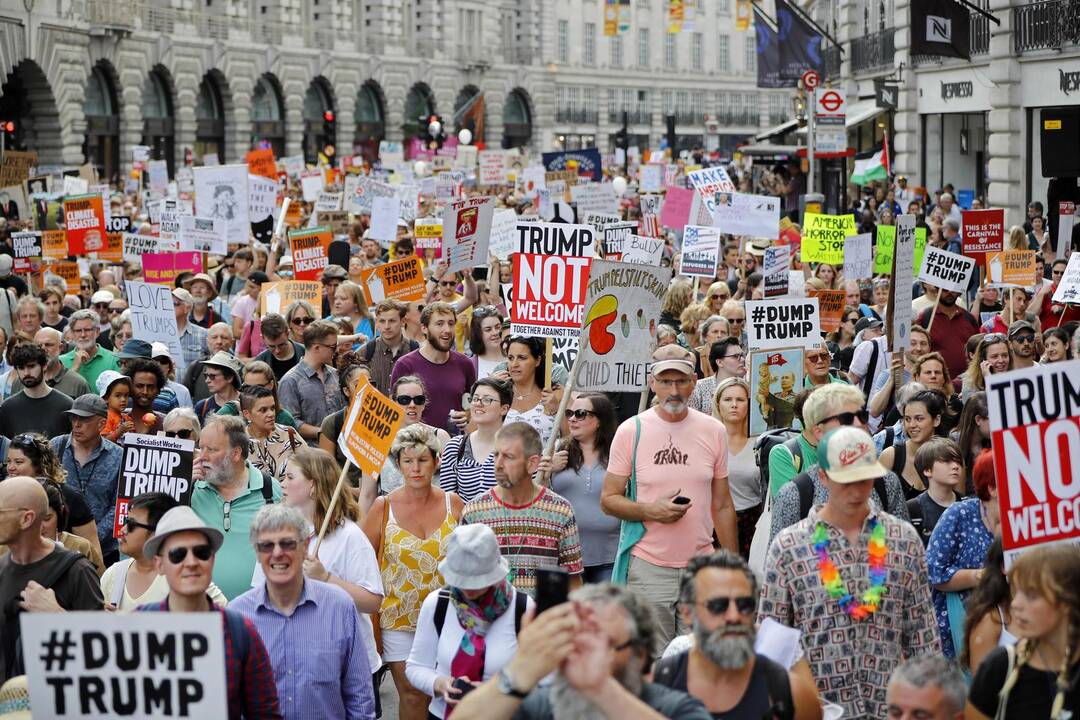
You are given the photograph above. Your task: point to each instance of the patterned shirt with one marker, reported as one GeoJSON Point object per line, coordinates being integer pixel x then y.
{"type": "Point", "coordinates": [270, 454]}
{"type": "Point", "coordinates": [541, 533]}
{"type": "Point", "coordinates": [852, 660]}
{"type": "Point", "coordinates": [309, 398]}
{"type": "Point", "coordinates": [193, 343]}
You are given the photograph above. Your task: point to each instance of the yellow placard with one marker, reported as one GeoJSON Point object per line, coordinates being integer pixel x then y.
{"type": "Point", "coordinates": [823, 237]}
{"type": "Point", "coordinates": [70, 272]}
{"type": "Point", "coordinates": [54, 245]}
{"type": "Point", "coordinates": [369, 429]}
{"type": "Point", "coordinates": [1012, 267]}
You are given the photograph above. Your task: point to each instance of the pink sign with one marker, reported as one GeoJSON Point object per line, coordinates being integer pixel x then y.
{"type": "Point", "coordinates": [675, 213]}
{"type": "Point", "coordinates": [163, 267]}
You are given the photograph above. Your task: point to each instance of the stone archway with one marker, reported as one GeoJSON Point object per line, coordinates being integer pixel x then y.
{"type": "Point", "coordinates": [27, 99]}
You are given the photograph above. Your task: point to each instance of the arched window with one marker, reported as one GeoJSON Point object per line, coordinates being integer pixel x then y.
{"type": "Point", "coordinates": [319, 120]}
{"type": "Point", "coordinates": [517, 121]}
{"type": "Point", "coordinates": [209, 121]}
{"type": "Point", "coordinates": [267, 116]}
{"type": "Point", "coordinates": [418, 103]}
{"type": "Point", "coordinates": [158, 124]}
{"type": "Point", "coordinates": [102, 144]}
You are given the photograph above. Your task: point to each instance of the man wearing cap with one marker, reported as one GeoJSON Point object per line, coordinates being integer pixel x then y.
{"type": "Point", "coordinates": [99, 301]}
{"type": "Point", "coordinates": [88, 358]}
{"type": "Point", "coordinates": [223, 374]}
{"type": "Point", "coordinates": [854, 580]}
{"type": "Point", "coordinates": [1022, 344]}
{"type": "Point", "coordinates": [92, 464]}
{"type": "Point", "coordinates": [56, 375]}
{"type": "Point", "coordinates": [680, 460]}
{"type": "Point", "coordinates": [183, 549]}
{"type": "Point", "coordinates": [245, 307]}
{"type": "Point", "coordinates": [332, 276]}
{"type": "Point", "coordinates": [208, 308]}
{"type": "Point", "coordinates": [310, 628]}
{"type": "Point", "coordinates": [218, 339]}
{"type": "Point", "coordinates": [37, 407]}
{"type": "Point", "coordinates": [192, 337]}
{"type": "Point", "coordinates": [871, 354]}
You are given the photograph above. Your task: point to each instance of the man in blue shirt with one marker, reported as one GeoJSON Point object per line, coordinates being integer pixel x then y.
{"type": "Point", "coordinates": [310, 628]}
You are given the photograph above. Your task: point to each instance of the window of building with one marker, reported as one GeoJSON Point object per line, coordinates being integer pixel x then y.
{"type": "Point", "coordinates": [750, 51]}
{"type": "Point", "coordinates": [695, 51]}
{"type": "Point", "coordinates": [669, 51]}
{"type": "Point", "coordinates": [564, 41]}
{"type": "Point", "coordinates": [723, 53]}
{"type": "Point", "coordinates": [616, 51]}
{"type": "Point", "coordinates": [723, 6]}
{"type": "Point", "coordinates": [643, 48]}
{"type": "Point", "coordinates": [590, 44]}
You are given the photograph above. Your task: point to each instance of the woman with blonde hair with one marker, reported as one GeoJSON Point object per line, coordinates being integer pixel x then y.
{"type": "Point", "coordinates": [678, 297]}
{"type": "Point", "coordinates": [349, 303]}
{"type": "Point", "coordinates": [718, 294]}
{"type": "Point", "coordinates": [991, 357]}
{"type": "Point", "coordinates": [731, 406]}
{"type": "Point", "coordinates": [690, 321]}
{"type": "Point", "coordinates": [1037, 677]}
{"type": "Point", "coordinates": [829, 276]}
{"type": "Point", "coordinates": [1017, 239]}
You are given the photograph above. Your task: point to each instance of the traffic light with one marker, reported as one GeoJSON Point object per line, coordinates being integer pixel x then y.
{"type": "Point", "coordinates": [7, 129]}
{"type": "Point", "coordinates": [329, 128]}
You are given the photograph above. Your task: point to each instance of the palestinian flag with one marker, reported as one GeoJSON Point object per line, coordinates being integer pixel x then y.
{"type": "Point", "coordinates": [875, 167]}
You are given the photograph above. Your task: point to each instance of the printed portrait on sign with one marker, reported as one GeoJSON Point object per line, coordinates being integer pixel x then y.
{"type": "Point", "coordinates": [776, 377]}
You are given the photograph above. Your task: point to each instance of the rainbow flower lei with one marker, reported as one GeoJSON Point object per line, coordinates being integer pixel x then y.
{"type": "Point", "coordinates": [834, 584]}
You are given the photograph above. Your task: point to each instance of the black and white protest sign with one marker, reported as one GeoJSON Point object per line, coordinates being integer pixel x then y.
{"type": "Point", "coordinates": [118, 224]}
{"type": "Point", "coordinates": [616, 237]}
{"type": "Point", "coordinates": [26, 244]}
{"type": "Point", "coordinates": [750, 215]}
{"type": "Point", "coordinates": [946, 270]}
{"type": "Point", "coordinates": [199, 234]}
{"type": "Point", "coordinates": [153, 463]}
{"type": "Point", "coordinates": [777, 261]}
{"type": "Point", "coordinates": [899, 323]}
{"type": "Point", "coordinates": [781, 323]}
{"type": "Point", "coordinates": [221, 192]}
{"type": "Point", "coordinates": [98, 666]}
{"type": "Point", "coordinates": [858, 257]}
{"type": "Point", "coordinates": [641, 250]}
{"type": "Point", "coordinates": [136, 245]}
{"type": "Point", "coordinates": [1068, 290]}
{"type": "Point", "coordinates": [153, 318]}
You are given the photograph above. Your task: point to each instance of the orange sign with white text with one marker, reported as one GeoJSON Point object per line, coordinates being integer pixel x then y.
{"type": "Point", "coordinates": [369, 429]}
{"type": "Point", "coordinates": [399, 280]}
{"type": "Point", "coordinates": [310, 252]}
{"type": "Point", "coordinates": [84, 222]}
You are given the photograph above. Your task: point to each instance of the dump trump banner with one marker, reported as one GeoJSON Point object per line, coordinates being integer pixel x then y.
{"type": "Point", "coordinates": [551, 269]}
{"type": "Point", "coordinates": [466, 231]}
{"type": "Point", "coordinates": [1011, 267]}
{"type": "Point", "coordinates": [946, 270]}
{"type": "Point", "coordinates": [619, 325]}
{"type": "Point", "coordinates": [616, 237]}
{"type": "Point", "coordinates": [783, 323]}
{"type": "Point", "coordinates": [823, 237]}
{"type": "Point", "coordinates": [830, 308]}
{"type": "Point", "coordinates": [26, 244]}
{"type": "Point", "coordinates": [274, 297]}
{"type": "Point", "coordinates": [152, 463]}
{"type": "Point", "coordinates": [369, 429]}
{"type": "Point", "coordinates": [84, 223]}
{"type": "Point", "coordinates": [134, 246]}
{"type": "Point", "coordinates": [153, 318]}
{"type": "Point", "coordinates": [310, 252]}
{"type": "Point", "coordinates": [700, 251]}
{"type": "Point", "coordinates": [1035, 438]}
{"type": "Point", "coordinates": [983, 231]}
{"type": "Point", "coordinates": [750, 215]}
{"type": "Point", "coordinates": [398, 280]}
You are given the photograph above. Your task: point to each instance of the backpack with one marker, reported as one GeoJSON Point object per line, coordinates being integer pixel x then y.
{"type": "Point", "coordinates": [777, 683]}
{"type": "Point", "coordinates": [267, 488]}
{"type": "Point", "coordinates": [871, 370]}
{"type": "Point", "coordinates": [789, 438]}
{"type": "Point", "coordinates": [805, 485]}
{"type": "Point", "coordinates": [443, 604]}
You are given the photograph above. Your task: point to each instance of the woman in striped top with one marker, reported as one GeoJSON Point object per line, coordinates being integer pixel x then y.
{"type": "Point", "coordinates": [468, 462]}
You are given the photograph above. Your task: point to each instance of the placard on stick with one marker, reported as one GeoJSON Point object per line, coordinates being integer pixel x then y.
{"type": "Point", "coordinates": [274, 297]}
{"type": "Point", "coordinates": [310, 252]}
{"type": "Point", "coordinates": [398, 280]}
{"type": "Point", "coordinates": [152, 463]}
{"type": "Point", "coordinates": [153, 318]}
{"type": "Point", "coordinates": [830, 307]}
{"type": "Point", "coordinates": [781, 323]}
{"type": "Point", "coordinates": [551, 269]}
{"type": "Point", "coordinates": [946, 270]}
{"type": "Point", "coordinates": [372, 421]}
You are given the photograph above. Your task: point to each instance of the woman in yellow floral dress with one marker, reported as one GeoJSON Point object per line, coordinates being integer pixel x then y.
{"type": "Point", "coordinates": [409, 529]}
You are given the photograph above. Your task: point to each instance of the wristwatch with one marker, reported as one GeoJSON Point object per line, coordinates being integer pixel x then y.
{"type": "Point", "coordinates": [505, 683]}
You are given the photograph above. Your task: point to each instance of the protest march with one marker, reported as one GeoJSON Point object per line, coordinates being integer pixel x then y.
{"type": "Point", "coordinates": [438, 428]}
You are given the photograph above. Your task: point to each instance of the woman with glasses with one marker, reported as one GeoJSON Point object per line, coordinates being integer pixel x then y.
{"type": "Point", "coordinates": [921, 414]}
{"type": "Point", "coordinates": [841, 344]}
{"type": "Point", "coordinates": [53, 299]}
{"type": "Point", "coordinates": [580, 466]}
{"type": "Point", "coordinates": [410, 392]}
{"type": "Point", "coordinates": [55, 519]}
{"type": "Point", "coordinates": [880, 297]}
{"type": "Point", "coordinates": [299, 314]}
{"type": "Point", "coordinates": [468, 461]}
{"type": "Point", "coordinates": [718, 294]}
{"type": "Point", "coordinates": [727, 359]}
{"type": "Point", "coordinates": [992, 357]}
{"type": "Point", "coordinates": [349, 303]}
{"type": "Point", "coordinates": [485, 339]}
{"type": "Point", "coordinates": [30, 454]}
{"type": "Point", "coordinates": [1056, 346]}
{"type": "Point", "coordinates": [731, 406]}
{"type": "Point", "coordinates": [133, 581]}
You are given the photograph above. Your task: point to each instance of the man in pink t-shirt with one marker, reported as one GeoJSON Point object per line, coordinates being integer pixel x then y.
{"type": "Point", "coordinates": [682, 487]}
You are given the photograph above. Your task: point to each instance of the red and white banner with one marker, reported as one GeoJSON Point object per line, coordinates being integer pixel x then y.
{"type": "Point", "coordinates": [551, 271]}
{"type": "Point", "coordinates": [983, 231]}
{"type": "Point", "coordinates": [1035, 436]}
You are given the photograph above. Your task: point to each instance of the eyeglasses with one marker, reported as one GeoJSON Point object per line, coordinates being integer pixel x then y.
{"type": "Point", "coordinates": [447, 283]}
{"type": "Point", "coordinates": [484, 400]}
{"type": "Point", "coordinates": [745, 604]}
{"type": "Point", "coordinates": [183, 434]}
{"type": "Point", "coordinates": [101, 306]}
{"type": "Point", "coordinates": [736, 321]}
{"type": "Point", "coordinates": [302, 320]}
{"type": "Point", "coordinates": [1024, 338]}
{"type": "Point", "coordinates": [851, 319]}
{"type": "Point", "coordinates": [132, 524]}
{"type": "Point", "coordinates": [680, 382]}
{"type": "Point", "coordinates": [24, 441]}
{"type": "Point", "coordinates": [116, 311]}
{"type": "Point", "coordinates": [485, 311]}
{"type": "Point", "coordinates": [818, 358]}
{"type": "Point", "coordinates": [178, 554]}
{"type": "Point", "coordinates": [265, 547]}
{"type": "Point", "coordinates": [735, 356]}
{"type": "Point", "coordinates": [717, 296]}
{"type": "Point", "coordinates": [848, 418]}
{"type": "Point", "coordinates": [404, 400]}
{"type": "Point", "coordinates": [578, 414]}
{"type": "Point", "coordinates": [325, 345]}
{"type": "Point", "coordinates": [209, 377]}
{"type": "Point", "coordinates": [992, 338]}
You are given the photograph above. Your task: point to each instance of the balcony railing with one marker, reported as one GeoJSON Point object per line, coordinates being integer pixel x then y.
{"type": "Point", "coordinates": [1046, 25]}
{"type": "Point", "coordinates": [577, 115]}
{"type": "Point", "coordinates": [119, 14]}
{"type": "Point", "coordinates": [873, 52]}
{"type": "Point", "coordinates": [832, 58]}
{"type": "Point", "coordinates": [634, 117]}
{"type": "Point", "coordinates": [737, 117]}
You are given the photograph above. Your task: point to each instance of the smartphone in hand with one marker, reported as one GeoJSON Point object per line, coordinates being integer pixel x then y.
{"type": "Point", "coordinates": [552, 587]}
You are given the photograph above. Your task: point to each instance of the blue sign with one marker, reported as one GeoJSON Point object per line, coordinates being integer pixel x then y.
{"type": "Point", "coordinates": [588, 161]}
{"type": "Point", "coordinates": [964, 198]}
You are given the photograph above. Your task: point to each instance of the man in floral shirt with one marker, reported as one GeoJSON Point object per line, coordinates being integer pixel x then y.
{"type": "Point", "coordinates": [852, 641]}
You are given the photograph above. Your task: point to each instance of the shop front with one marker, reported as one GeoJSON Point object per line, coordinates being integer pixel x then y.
{"type": "Point", "coordinates": [953, 106]}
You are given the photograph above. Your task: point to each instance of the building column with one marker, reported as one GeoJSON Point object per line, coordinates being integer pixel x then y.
{"type": "Point", "coordinates": [1005, 137]}
{"type": "Point", "coordinates": [905, 139]}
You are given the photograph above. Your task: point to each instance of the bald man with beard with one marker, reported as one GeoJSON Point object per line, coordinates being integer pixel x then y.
{"type": "Point", "coordinates": [57, 376]}
{"type": "Point", "coordinates": [36, 574]}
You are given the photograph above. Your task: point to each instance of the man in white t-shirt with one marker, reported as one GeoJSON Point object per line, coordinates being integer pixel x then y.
{"type": "Point", "coordinates": [871, 353]}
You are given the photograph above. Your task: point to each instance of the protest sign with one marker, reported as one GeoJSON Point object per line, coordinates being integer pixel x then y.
{"type": "Point", "coordinates": [165, 266]}
{"type": "Point", "coordinates": [595, 197]}
{"type": "Point", "coordinates": [15, 195]}
{"type": "Point", "coordinates": [775, 266]}
{"type": "Point", "coordinates": [551, 268]}
{"type": "Point", "coordinates": [427, 233]}
{"type": "Point", "coordinates": [86, 665]}
{"type": "Point", "coordinates": [311, 184]}
{"type": "Point", "coordinates": [641, 250]}
{"type": "Point", "coordinates": [1066, 220]}
{"type": "Point", "coordinates": [858, 257]}
{"type": "Point", "coordinates": [274, 297]}
{"type": "Point", "coordinates": [153, 318]}
{"type": "Point", "coordinates": [372, 421]}
{"type": "Point", "coordinates": [185, 180]}
{"type": "Point", "coordinates": [71, 274]}
{"type": "Point", "coordinates": [409, 195]}
{"type": "Point", "coordinates": [946, 270]}
{"type": "Point", "coordinates": [823, 237]}
{"type": "Point", "coordinates": [776, 377]}
{"type": "Point", "coordinates": [1011, 267]}
{"type": "Point", "coordinates": [171, 212]}
{"type": "Point", "coordinates": [492, 167]}
{"type": "Point", "coordinates": [135, 246]}
{"type": "Point", "coordinates": [75, 185]}
{"type": "Point", "coordinates": [262, 202]}
{"type": "Point", "coordinates": [651, 178]}
{"type": "Point", "coordinates": [883, 250]}
{"type": "Point", "coordinates": [152, 463]}
{"type": "Point", "coordinates": [467, 157]}
{"type": "Point", "coordinates": [15, 167]}
{"type": "Point", "coordinates": [1035, 437]}
{"type": "Point", "coordinates": [361, 191]}
{"type": "Point", "coordinates": [1068, 289]}
{"type": "Point", "coordinates": [598, 219]}
{"type": "Point", "coordinates": [54, 244]}
{"type": "Point", "coordinates": [84, 223]}
{"type": "Point", "coordinates": [676, 210]}
{"type": "Point", "coordinates": [26, 244]}
{"type": "Point", "coordinates": [221, 192]}
{"type": "Point", "coordinates": [898, 321]}
{"type": "Point", "coordinates": [466, 231]}
{"type": "Point", "coordinates": [983, 231]}
{"type": "Point", "coordinates": [202, 235]}
{"type": "Point", "coordinates": [157, 176]}
{"type": "Point", "coordinates": [261, 163]}
{"type": "Point", "coordinates": [384, 217]}
{"type": "Point", "coordinates": [113, 252]}
{"type": "Point", "coordinates": [587, 161]}
{"type": "Point", "coordinates": [398, 280]}
{"type": "Point", "coordinates": [621, 305]}
{"type": "Point", "coordinates": [708, 182]}
{"type": "Point", "coordinates": [830, 308]}
{"type": "Point", "coordinates": [700, 251]}
{"type": "Point", "coordinates": [779, 323]}
{"type": "Point", "coordinates": [615, 238]}
{"type": "Point", "coordinates": [328, 201]}
{"type": "Point", "coordinates": [310, 252]}
{"type": "Point", "coordinates": [750, 215]}
{"type": "Point", "coordinates": [118, 224]}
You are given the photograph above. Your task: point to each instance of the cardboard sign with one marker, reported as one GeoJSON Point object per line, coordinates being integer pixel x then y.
{"type": "Point", "coordinates": [384, 217]}
{"type": "Point", "coordinates": [783, 323]}
{"type": "Point", "coordinates": [1068, 289]}
{"type": "Point", "coordinates": [466, 231]}
{"type": "Point", "coordinates": [203, 235]}
{"type": "Point", "coordinates": [774, 269]}
{"type": "Point", "coordinates": [336, 220]}
{"type": "Point", "coordinates": [619, 325]}
{"type": "Point", "coordinates": [153, 318]}
{"type": "Point", "coordinates": [398, 280]}
{"type": "Point", "coordinates": [84, 223]}
{"type": "Point", "coordinates": [54, 244]}
{"type": "Point", "coordinates": [651, 178]}
{"type": "Point", "coordinates": [153, 464]}
{"type": "Point", "coordinates": [15, 167]}
{"type": "Point", "coordinates": [709, 182]}
{"type": "Point", "coordinates": [641, 250]}
{"type": "Point", "coordinates": [858, 257]}
{"type": "Point", "coordinates": [616, 237]}
{"type": "Point", "coordinates": [221, 192]}
{"type": "Point", "coordinates": [328, 201]}
{"type": "Point", "coordinates": [492, 167]}
{"type": "Point", "coordinates": [983, 231]}
{"type": "Point", "coordinates": [262, 203]}
{"type": "Point", "coordinates": [550, 268]}
{"type": "Point", "coordinates": [946, 270]}
{"type": "Point", "coordinates": [26, 244]}
{"type": "Point", "coordinates": [274, 297]}
{"type": "Point", "coordinates": [100, 666]}
{"type": "Point", "coordinates": [261, 162]}
{"type": "Point", "coordinates": [310, 252]}
{"type": "Point", "coordinates": [898, 323]}
{"type": "Point", "coordinates": [886, 241]}
{"type": "Point", "coordinates": [776, 377]}
{"type": "Point", "coordinates": [171, 212]}
{"type": "Point", "coordinates": [71, 274]}
{"type": "Point", "coordinates": [135, 246]}
{"type": "Point", "coordinates": [428, 233]}
{"type": "Point", "coordinates": [369, 429]}
{"type": "Point", "coordinates": [830, 308]}
{"type": "Point", "coordinates": [750, 215]}
{"type": "Point", "coordinates": [700, 251]}
{"type": "Point", "coordinates": [114, 249]}
{"type": "Point", "coordinates": [164, 267]}
{"type": "Point", "coordinates": [595, 198]}
{"type": "Point", "coordinates": [1011, 267]}
{"type": "Point", "coordinates": [824, 236]}
{"type": "Point", "coordinates": [1035, 437]}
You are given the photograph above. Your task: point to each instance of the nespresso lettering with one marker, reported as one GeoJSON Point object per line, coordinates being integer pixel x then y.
{"type": "Point", "coordinates": [957, 90]}
{"type": "Point", "coordinates": [1070, 81]}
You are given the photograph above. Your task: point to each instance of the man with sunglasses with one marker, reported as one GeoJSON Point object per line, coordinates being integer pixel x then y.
{"type": "Point", "coordinates": [1022, 344]}
{"type": "Point", "coordinates": [184, 551]}
{"type": "Point", "coordinates": [311, 628]}
{"type": "Point", "coordinates": [718, 595]}
{"type": "Point", "coordinates": [281, 353]}
{"type": "Point", "coordinates": [847, 545]}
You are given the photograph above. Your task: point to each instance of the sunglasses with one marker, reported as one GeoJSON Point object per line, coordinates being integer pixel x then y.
{"type": "Point", "coordinates": [132, 524]}
{"type": "Point", "coordinates": [101, 306]}
{"type": "Point", "coordinates": [578, 414]}
{"type": "Point", "coordinates": [447, 283]}
{"type": "Point", "coordinates": [23, 441]}
{"type": "Point", "coordinates": [848, 418]}
{"type": "Point", "coordinates": [484, 311]}
{"type": "Point", "coordinates": [185, 434]}
{"type": "Point", "coordinates": [745, 604]}
{"type": "Point", "coordinates": [212, 376]}
{"type": "Point", "coordinates": [404, 400]}
{"type": "Point", "coordinates": [265, 547]}
{"type": "Point", "coordinates": [818, 358]}
{"type": "Point", "coordinates": [178, 554]}
{"type": "Point", "coordinates": [116, 311]}
{"type": "Point", "coordinates": [992, 338]}
{"type": "Point", "coordinates": [1024, 339]}
{"type": "Point", "coordinates": [302, 321]}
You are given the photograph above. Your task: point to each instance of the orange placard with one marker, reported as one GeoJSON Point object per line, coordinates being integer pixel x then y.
{"type": "Point", "coordinates": [84, 222]}
{"type": "Point", "coordinates": [261, 162]}
{"type": "Point", "coordinates": [114, 248]}
{"type": "Point", "coordinates": [830, 308]}
{"type": "Point", "coordinates": [399, 280]}
{"type": "Point", "coordinates": [54, 244]}
{"type": "Point", "coordinates": [1012, 267]}
{"type": "Point", "coordinates": [294, 216]}
{"type": "Point", "coordinates": [70, 272]}
{"type": "Point", "coordinates": [310, 250]}
{"type": "Point", "coordinates": [276, 296]}
{"type": "Point", "coordinates": [369, 429]}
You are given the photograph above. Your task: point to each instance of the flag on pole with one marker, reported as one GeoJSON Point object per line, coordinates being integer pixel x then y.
{"type": "Point", "coordinates": [885, 153]}
{"type": "Point", "coordinates": [872, 168]}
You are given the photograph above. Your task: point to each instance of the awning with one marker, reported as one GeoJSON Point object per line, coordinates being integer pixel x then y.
{"type": "Point", "coordinates": [860, 112]}
{"type": "Point", "coordinates": [768, 150]}
{"type": "Point", "coordinates": [780, 129]}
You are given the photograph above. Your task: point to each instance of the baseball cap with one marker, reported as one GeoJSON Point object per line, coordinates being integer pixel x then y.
{"type": "Point", "coordinates": [88, 405]}
{"type": "Point", "coordinates": [134, 348]}
{"type": "Point", "coordinates": [5, 265]}
{"type": "Point", "coordinates": [672, 357]}
{"type": "Point", "coordinates": [1020, 326]}
{"type": "Point", "coordinates": [160, 350]}
{"type": "Point", "coordinates": [865, 323]}
{"type": "Point", "coordinates": [848, 455]}
{"type": "Point", "coordinates": [258, 277]}
{"type": "Point", "coordinates": [107, 379]}
{"type": "Point", "coordinates": [101, 296]}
